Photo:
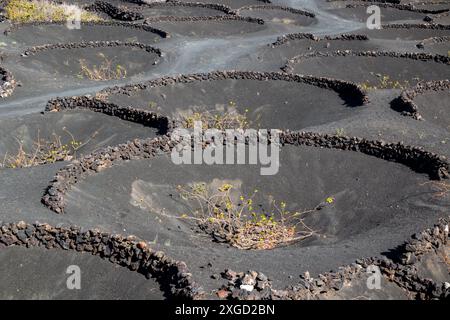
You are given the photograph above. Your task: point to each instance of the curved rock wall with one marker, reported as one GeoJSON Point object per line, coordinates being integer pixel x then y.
{"type": "Point", "coordinates": [348, 90]}
{"type": "Point", "coordinates": [114, 12]}
{"type": "Point", "coordinates": [401, 270]}
{"type": "Point", "coordinates": [414, 157]}
{"type": "Point", "coordinates": [7, 83]}
{"type": "Point", "coordinates": [275, 7]}
{"type": "Point", "coordinates": [147, 28]}
{"type": "Point", "coordinates": [299, 36]}
{"type": "Point", "coordinates": [405, 103]}
{"type": "Point", "coordinates": [90, 44]}
{"type": "Point", "coordinates": [349, 53]}
{"type": "Point", "coordinates": [128, 252]}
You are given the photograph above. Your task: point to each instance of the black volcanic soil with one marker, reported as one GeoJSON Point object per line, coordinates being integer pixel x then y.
{"type": "Point", "coordinates": [234, 4]}
{"type": "Point", "coordinates": [163, 10]}
{"type": "Point", "coordinates": [442, 19]}
{"type": "Point", "coordinates": [32, 35]}
{"type": "Point", "coordinates": [434, 107]}
{"type": "Point", "coordinates": [372, 199]}
{"type": "Point", "coordinates": [275, 53]}
{"type": "Point", "coordinates": [277, 16]}
{"type": "Point", "coordinates": [388, 14]}
{"type": "Point", "coordinates": [210, 28]}
{"type": "Point", "coordinates": [46, 271]}
{"type": "Point", "coordinates": [100, 130]}
{"type": "Point", "coordinates": [437, 47]}
{"type": "Point", "coordinates": [377, 206]}
{"type": "Point", "coordinates": [298, 105]}
{"type": "Point", "coordinates": [53, 68]}
{"type": "Point", "coordinates": [370, 70]}
{"type": "Point", "coordinates": [404, 34]}
{"type": "Point", "coordinates": [61, 63]}
{"type": "Point", "coordinates": [178, 11]}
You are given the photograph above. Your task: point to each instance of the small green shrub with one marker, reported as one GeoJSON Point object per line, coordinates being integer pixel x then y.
{"type": "Point", "coordinates": [241, 222]}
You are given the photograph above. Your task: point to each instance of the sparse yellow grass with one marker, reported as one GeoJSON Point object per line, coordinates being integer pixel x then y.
{"type": "Point", "coordinates": [385, 82]}
{"type": "Point", "coordinates": [43, 152]}
{"type": "Point", "coordinates": [43, 10]}
{"type": "Point", "coordinates": [106, 70]}
{"type": "Point", "coordinates": [340, 132]}
{"type": "Point", "coordinates": [283, 20]}
{"type": "Point", "coordinates": [221, 120]}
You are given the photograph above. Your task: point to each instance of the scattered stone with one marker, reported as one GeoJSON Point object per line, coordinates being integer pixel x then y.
{"type": "Point", "coordinates": [246, 287]}
{"type": "Point", "coordinates": [223, 294]}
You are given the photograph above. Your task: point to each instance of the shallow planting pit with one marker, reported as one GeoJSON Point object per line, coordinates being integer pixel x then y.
{"type": "Point", "coordinates": [71, 65]}
{"type": "Point", "coordinates": [32, 34]}
{"type": "Point", "coordinates": [243, 100]}
{"type": "Point", "coordinates": [337, 193]}
{"type": "Point", "coordinates": [96, 64]}
{"type": "Point", "coordinates": [39, 139]}
{"type": "Point", "coordinates": [372, 70]}
{"type": "Point", "coordinates": [222, 27]}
